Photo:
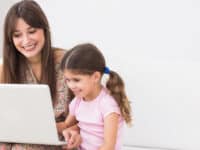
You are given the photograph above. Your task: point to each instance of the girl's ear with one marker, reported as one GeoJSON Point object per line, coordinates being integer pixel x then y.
{"type": "Point", "coordinates": [96, 76]}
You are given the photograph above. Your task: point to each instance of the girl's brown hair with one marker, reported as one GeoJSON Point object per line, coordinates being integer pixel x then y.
{"type": "Point", "coordinates": [14, 63]}
{"type": "Point", "coordinates": [86, 59]}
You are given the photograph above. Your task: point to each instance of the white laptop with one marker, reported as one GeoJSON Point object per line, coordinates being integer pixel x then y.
{"type": "Point", "coordinates": [26, 115]}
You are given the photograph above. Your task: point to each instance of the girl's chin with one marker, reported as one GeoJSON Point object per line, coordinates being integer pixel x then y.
{"type": "Point", "coordinates": [78, 95]}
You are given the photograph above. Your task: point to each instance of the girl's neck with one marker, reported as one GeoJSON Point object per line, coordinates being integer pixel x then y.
{"type": "Point", "coordinates": [96, 91]}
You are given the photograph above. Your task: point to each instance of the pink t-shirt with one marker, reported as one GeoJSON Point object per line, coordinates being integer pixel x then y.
{"type": "Point", "coordinates": [90, 115]}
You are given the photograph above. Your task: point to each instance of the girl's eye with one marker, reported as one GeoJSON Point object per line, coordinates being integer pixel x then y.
{"type": "Point", "coordinates": [66, 80]}
{"type": "Point", "coordinates": [76, 80]}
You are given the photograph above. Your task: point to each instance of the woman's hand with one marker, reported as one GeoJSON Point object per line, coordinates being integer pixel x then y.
{"type": "Point", "coordinates": [72, 137]}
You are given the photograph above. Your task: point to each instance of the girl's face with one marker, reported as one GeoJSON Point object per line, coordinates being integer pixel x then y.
{"type": "Point", "coordinates": [28, 40]}
{"type": "Point", "coordinates": [83, 86]}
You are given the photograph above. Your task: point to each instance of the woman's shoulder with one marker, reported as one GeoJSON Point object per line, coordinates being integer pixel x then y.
{"type": "Point", "coordinates": [58, 54]}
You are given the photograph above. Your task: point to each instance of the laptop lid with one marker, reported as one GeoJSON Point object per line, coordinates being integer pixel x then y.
{"type": "Point", "coordinates": [26, 115]}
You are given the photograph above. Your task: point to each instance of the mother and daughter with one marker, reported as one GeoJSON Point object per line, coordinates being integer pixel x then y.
{"type": "Point", "coordinates": [89, 115]}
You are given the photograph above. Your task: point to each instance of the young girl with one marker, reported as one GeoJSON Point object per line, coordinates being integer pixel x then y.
{"type": "Point", "coordinates": [99, 111]}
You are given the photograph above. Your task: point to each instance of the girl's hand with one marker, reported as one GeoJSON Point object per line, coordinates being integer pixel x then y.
{"type": "Point", "coordinates": [72, 137]}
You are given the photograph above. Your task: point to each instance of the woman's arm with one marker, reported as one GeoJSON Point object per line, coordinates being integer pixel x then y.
{"type": "Point", "coordinates": [110, 131]}
{"type": "Point", "coordinates": [1, 72]}
{"type": "Point", "coordinates": [58, 54]}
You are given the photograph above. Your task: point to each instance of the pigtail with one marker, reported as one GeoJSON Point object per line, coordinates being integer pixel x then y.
{"type": "Point", "coordinates": [115, 85]}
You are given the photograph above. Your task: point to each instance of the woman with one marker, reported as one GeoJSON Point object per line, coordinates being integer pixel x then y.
{"type": "Point", "coordinates": [28, 57]}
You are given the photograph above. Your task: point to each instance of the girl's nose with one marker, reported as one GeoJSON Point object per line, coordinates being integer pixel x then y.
{"type": "Point", "coordinates": [71, 85]}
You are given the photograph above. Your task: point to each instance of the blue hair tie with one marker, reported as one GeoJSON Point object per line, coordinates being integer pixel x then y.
{"type": "Point", "coordinates": [106, 70]}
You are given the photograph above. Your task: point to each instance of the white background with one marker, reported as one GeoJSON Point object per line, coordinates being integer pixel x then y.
{"type": "Point", "coordinates": [154, 45]}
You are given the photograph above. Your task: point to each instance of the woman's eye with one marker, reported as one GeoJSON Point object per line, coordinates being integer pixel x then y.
{"type": "Point", "coordinates": [16, 35]}
{"type": "Point", "coordinates": [32, 31]}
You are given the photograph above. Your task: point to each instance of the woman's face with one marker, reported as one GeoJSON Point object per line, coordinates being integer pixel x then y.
{"type": "Point", "coordinates": [28, 40]}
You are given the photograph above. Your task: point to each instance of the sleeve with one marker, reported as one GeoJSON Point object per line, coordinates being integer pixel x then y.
{"type": "Point", "coordinates": [109, 105]}
{"type": "Point", "coordinates": [73, 106]}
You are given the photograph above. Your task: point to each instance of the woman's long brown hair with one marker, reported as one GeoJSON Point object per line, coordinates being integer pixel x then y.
{"type": "Point", "coordinates": [14, 63]}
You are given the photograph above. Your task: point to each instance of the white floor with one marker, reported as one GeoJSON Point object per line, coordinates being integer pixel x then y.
{"type": "Point", "coordinates": [139, 148]}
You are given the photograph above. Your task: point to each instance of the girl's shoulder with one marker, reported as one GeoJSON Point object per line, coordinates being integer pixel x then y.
{"type": "Point", "coordinates": [74, 104]}
{"type": "Point", "coordinates": [58, 54]}
{"type": "Point", "coordinates": [105, 97]}
{"type": "Point", "coordinates": [108, 104]}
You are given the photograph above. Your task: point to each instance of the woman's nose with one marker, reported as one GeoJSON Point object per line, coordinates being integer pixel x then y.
{"type": "Point", "coordinates": [25, 39]}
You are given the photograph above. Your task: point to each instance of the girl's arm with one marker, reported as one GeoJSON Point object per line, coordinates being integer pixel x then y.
{"type": "Point", "coordinates": [69, 121]}
{"type": "Point", "coordinates": [74, 127]}
{"type": "Point", "coordinates": [110, 131]}
{"type": "Point", "coordinates": [72, 136]}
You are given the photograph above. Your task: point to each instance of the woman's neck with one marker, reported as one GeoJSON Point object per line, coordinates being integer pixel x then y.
{"type": "Point", "coordinates": [35, 60]}
{"type": "Point", "coordinates": [36, 67]}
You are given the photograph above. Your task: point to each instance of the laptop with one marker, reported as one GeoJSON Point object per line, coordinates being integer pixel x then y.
{"type": "Point", "coordinates": [26, 115]}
